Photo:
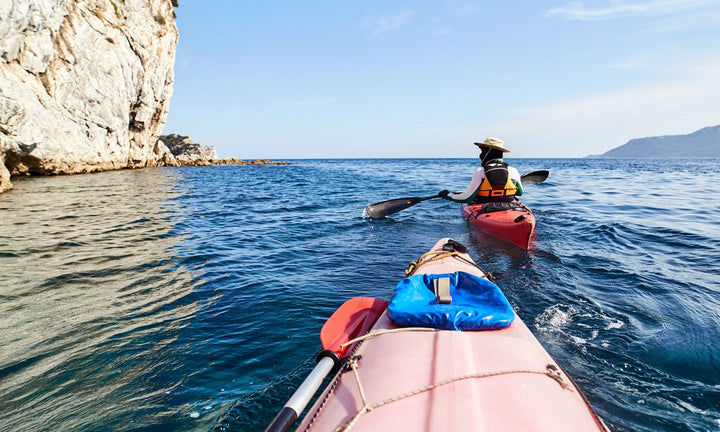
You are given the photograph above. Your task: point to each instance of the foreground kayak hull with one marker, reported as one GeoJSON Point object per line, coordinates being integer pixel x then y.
{"type": "Point", "coordinates": [515, 226]}
{"type": "Point", "coordinates": [445, 380]}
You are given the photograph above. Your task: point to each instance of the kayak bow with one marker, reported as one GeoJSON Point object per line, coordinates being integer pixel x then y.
{"type": "Point", "coordinates": [428, 378]}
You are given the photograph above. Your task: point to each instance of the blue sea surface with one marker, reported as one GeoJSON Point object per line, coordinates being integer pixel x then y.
{"type": "Point", "coordinates": [191, 299]}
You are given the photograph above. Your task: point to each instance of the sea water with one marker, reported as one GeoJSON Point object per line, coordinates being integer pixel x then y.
{"type": "Point", "coordinates": [192, 298]}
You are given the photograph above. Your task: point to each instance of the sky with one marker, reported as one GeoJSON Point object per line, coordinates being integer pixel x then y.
{"type": "Point", "coordinates": [292, 79]}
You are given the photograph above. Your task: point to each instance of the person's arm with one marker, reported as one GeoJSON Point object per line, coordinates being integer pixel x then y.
{"type": "Point", "coordinates": [469, 192]}
{"type": "Point", "coordinates": [515, 177]}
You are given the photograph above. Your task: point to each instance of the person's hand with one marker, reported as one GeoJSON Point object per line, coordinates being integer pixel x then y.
{"type": "Point", "coordinates": [443, 194]}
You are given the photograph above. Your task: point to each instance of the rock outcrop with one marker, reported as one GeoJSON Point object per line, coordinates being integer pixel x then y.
{"type": "Point", "coordinates": [186, 152]}
{"type": "Point", "coordinates": [85, 85]}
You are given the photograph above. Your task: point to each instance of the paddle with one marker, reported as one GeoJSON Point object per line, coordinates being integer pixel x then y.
{"type": "Point", "coordinates": [386, 208]}
{"type": "Point", "coordinates": [354, 318]}
{"type": "Point", "coordinates": [534, 177]}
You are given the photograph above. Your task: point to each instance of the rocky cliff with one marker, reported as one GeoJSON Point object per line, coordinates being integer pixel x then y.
{"type": "Point", "coordinates": [85, 85]}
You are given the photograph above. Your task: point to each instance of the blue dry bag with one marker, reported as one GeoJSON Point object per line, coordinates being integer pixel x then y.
{"type": "Point", "coordinates": [477, 304]}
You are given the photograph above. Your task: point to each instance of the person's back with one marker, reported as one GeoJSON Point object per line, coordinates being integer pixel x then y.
{"type": "Point", "coordinates": [493, 181]}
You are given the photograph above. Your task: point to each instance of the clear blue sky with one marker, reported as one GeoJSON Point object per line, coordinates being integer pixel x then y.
{"type": "Point", "coordinates": [293, 79]}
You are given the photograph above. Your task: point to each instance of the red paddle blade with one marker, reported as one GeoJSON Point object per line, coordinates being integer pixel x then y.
{"type": "Point", "coordinates": [354, 318]}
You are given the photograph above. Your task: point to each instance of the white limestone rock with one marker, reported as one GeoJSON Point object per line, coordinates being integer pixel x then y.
{"type": "Point", "coordinates": [85, 85]}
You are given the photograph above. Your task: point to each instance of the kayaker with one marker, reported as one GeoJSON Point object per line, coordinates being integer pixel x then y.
{"type": "Point", "coordinates": [493, 181]}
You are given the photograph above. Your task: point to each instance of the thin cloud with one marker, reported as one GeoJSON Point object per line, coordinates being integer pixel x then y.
{"type": "Point", "coordinates": [454, 11]}
{"type": "Point", "coordinates": [380, 25]}
{"type": "Point", "coordinates": [622, 9]}
{"type": "Point", "coordinates": [674, 23]}
{"type": "Point", "coordinates": [461, 10]}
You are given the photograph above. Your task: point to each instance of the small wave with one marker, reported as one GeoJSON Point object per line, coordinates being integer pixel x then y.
{"type": "Point", "coordinates": [614, 324]}
{"type": "Point", "coordinates": [567, 322]}
{"type": "Point", "coordinates": [556, 317]}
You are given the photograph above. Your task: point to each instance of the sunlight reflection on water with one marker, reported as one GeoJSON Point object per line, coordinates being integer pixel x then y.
{"type": "Point", "coordinates": [88, 290]}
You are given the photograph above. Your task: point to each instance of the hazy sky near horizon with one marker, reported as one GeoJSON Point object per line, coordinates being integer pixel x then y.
{"type": "Point", "coordinates": [291, 79]}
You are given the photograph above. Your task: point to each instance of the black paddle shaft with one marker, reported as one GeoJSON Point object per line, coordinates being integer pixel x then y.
{"type": "Point", "coordinates": [385, 208]}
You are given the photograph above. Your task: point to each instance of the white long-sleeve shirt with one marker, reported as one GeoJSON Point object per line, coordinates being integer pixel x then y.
{"type": "Point", "coordinates": [475, 182]}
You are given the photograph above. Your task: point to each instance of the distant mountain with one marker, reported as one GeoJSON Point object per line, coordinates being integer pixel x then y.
{"type": "Point", "coordinates": [702, 143]}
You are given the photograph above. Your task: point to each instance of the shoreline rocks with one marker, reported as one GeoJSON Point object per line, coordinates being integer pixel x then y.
{"type": "Point", "coordinates": [172, 151]}
{"type": "Point", "coordinates": [185, 152]}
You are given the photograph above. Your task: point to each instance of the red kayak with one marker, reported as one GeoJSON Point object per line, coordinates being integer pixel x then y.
{"type": "Point", "coordinates": [512, 222]}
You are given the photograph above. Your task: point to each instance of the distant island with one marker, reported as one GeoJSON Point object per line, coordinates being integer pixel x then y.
{"type": "Point", "coordinates": [702, 143]}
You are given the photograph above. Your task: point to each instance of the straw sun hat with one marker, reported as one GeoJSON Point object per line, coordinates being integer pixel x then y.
{"type": "Point", "coordinates": [493, 143]}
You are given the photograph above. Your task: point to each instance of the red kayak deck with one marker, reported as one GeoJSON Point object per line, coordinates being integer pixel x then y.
{"type": "Point", "coordinates": [514, 225]}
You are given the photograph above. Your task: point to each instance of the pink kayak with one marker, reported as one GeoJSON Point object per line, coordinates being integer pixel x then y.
{"type": "Point", "coordinates": [436, 375]}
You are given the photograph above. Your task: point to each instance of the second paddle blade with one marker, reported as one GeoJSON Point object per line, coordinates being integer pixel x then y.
{"type": "Point", "coordinates": [534, 177]}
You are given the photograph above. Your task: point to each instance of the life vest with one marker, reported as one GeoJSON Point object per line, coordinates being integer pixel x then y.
{"type": "Point", "coordinates": [497, 181]}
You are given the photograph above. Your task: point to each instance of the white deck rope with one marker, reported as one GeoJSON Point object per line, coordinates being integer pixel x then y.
{"type": "Point", "coordinates": [551, 371]}
{"type": "Point", "coordinates": [383, 332]}
{"type": "Point", "coordinates": [428, 257]}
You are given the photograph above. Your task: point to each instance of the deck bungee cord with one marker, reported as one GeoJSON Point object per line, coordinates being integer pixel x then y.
{"type": "Point", "coordinates": [550, 371]}
{"type": "Point", "coordinates": [426, 258]}
{"type": "Point", "coordinates": [351, 364]}
{"type": "Point", "coordinates": [431, 256]}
